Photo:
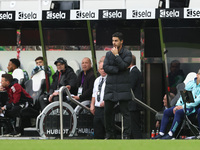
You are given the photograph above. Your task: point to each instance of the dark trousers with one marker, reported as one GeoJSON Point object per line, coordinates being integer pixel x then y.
{"type": "Point", "coordinates": [99, 128]}
{"type": "Point", "coordinates": [13, 112]}
{"type": "Point", "coordinates": [178, 118]}
{"type": "Point", "coordinates": [109, 118]}
{"type": "Point", "coordinates": [135, 125]}
{"type": "Point", "coordinates": [198, 117]}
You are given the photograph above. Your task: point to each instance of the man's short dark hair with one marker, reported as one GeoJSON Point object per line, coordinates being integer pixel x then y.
{"type": "Point", "coordinates": [39, 58]}
{"type": "Point", "coordinates": [133, 62]}
{"type": "Point", "coordinates": [16, 62]}
{"type": "Point", "coordinates": [119, 35]}
{"type": "Point", "coordinates": [8, 77]}
{"type": "Point", "coordinates": [177, 62]}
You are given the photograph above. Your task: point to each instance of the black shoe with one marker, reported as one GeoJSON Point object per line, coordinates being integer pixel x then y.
{"type": "Point", "coordinates": [158, 137]}
{"type": "Point", "coordinates": [167, 137]}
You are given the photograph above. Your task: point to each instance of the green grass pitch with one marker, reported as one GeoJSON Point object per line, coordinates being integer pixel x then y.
{"type": "Point", "coordinates": [99, 144]}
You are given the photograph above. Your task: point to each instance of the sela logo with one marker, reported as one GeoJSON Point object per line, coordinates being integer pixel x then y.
{"type": "Point", "coordinates": [85, 14]}
{"type": "Point", "coordinates": [169, 13]}
{"type": "Point", "coordinates": [192, 13]}
{"type": "Point", "coordinates": [141, 14]}
{"type": "Point", "coordinates": [112, 14]}
{"type": "Point", "coordinates": [56, 15]}
{"type": "Point", "coordinates": [27, 15]}
{"type": "Point", "coordinates": [6, 16]}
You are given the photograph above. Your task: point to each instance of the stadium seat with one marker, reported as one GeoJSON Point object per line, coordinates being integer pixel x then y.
{"type": "Point", "coordinates": [19, 75]}
{"type": "Point", "coordinates": [190, 76]}
{"type": "Point", "coordinates": [75, 65]}
{"type": "Point", "coordinates": [36, 86]}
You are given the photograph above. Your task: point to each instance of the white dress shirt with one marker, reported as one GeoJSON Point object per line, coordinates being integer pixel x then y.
{"type": "Point", "coordinates": [132, 68]}
{"type": "Point", "coordinates": [95, 90]}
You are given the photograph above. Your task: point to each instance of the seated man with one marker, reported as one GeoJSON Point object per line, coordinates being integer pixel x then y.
{"type": "Point", "coordinates": [85, 81]}
{"type": "Point", "coordinates": [171, 96]}
{"type": "Point", "coordinates": [178, 110]}
{"type": "Point", "coordinates": [14, 64]}
{"type": "Point", "coordinates": [40, 66]}
{"type": "Point", "coordinates": [64, 76]}
{"type": "Point", "coordinates": [18, 97]}
{"type": "Point", "coordinates": [175, 76]}
{"type": "Point", "coordinates": [97, 104]}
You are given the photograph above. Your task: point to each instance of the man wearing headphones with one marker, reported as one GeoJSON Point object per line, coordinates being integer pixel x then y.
{"type": "Point", "coordinates": [64, 76]}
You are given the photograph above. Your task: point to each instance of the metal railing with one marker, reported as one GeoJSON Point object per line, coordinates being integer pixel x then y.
{"type": "Point", "coordinates": [61, 90]}
{"type": "Point", "coordinates": [142, 104]}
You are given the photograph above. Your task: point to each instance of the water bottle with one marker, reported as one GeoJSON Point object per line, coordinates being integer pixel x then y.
{"type": "Point", "coordinates": [157, 132]}
{"type": "Point", "coordinates": [152, 134]}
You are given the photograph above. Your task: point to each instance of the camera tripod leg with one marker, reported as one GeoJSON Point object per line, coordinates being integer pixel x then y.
{"type": "Point", "coordinates": [182, 126]}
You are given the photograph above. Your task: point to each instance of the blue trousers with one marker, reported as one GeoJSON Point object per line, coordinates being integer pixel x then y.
{"type": "Point", "coordinates": [198, 118]}
{"type": "Point", "coordinates": [178, 118]}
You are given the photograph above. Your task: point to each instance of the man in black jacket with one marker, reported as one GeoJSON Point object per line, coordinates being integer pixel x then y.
{"type": "Point", "coordinates": [64, 76]}
{"type": "Point", "coordinates": [136, 81]}
{"type": "Point", "coordinates": [85, 81]}
{"type": "Point", "coordinates": [117, 85]}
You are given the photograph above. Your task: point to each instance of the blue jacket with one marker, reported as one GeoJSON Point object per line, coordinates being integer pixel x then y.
{"type": "Point", "coordinates": [191, 86]}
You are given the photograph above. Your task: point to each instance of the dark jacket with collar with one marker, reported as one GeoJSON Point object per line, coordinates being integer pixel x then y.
{"type": "Point", "coordinates": [87, 84]}
{"type": "Point", "coordinates": [136, 81]}
{"type": "Point", "coordinates": [68, 77]}
{"type": "Point", "coordinates": [117, 82]}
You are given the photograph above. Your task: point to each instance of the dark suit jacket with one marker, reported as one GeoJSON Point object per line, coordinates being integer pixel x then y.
{"type": "Point", "coordinates": [136, 80]}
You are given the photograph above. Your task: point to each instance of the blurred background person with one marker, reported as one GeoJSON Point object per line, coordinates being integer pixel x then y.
{"type": "Point", "coordinates": [175, 76]}
{"type": "Point", "coordinates": [134, 108]}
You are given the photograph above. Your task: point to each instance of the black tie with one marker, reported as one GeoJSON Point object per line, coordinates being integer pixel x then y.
{"type": "Point", "coordinates": [99, 89]}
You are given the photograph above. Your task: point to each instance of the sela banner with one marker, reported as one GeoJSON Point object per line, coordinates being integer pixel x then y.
{"type": "Point", "coordinates": [111, 14]}
{"type": "Point", "coordinates": [191, 13]}
{"type": "Point", "coordinates": [7, 15]}
{"type": "Point", "coordinates": [28, 15]}
{"type": "Point", "coordinates": [55, 15]}
{"type": "Point", "coordinates": [169, 13]}
{"type": "Point", "coordinates": [84, 14]}
{"type": "Point", "coordinates": [141, 14]}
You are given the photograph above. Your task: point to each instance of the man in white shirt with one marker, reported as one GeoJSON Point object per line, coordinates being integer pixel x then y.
{"type": "Point", "coordinates": [97, 104]}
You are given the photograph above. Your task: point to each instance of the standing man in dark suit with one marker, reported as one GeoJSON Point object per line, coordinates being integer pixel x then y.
{"type": "Point", "coordinates": [117, 85]}
{"type": "Point", "coordinates": [136, 80]}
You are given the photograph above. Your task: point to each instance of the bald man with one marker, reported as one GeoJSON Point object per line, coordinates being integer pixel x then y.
{"type": "Point", "coordinates": [85, 81]}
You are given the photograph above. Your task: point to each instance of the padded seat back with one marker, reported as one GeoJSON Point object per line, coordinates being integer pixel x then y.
{"type": "Point", "coordinates": [190, 76]}
{"type": "Point", "coordinates": [36, 86]}
{"type": "Point", "coordinates": [76, 66]}
{"type": "Point", "coordinates": [19, 75]}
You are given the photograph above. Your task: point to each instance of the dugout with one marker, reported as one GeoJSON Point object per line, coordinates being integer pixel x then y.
{"type": "Point", "coordinates": [70, 28]}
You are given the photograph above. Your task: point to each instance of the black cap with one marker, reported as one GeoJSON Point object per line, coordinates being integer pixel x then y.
{"type": "Point", "coordinates": [61, 60]}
